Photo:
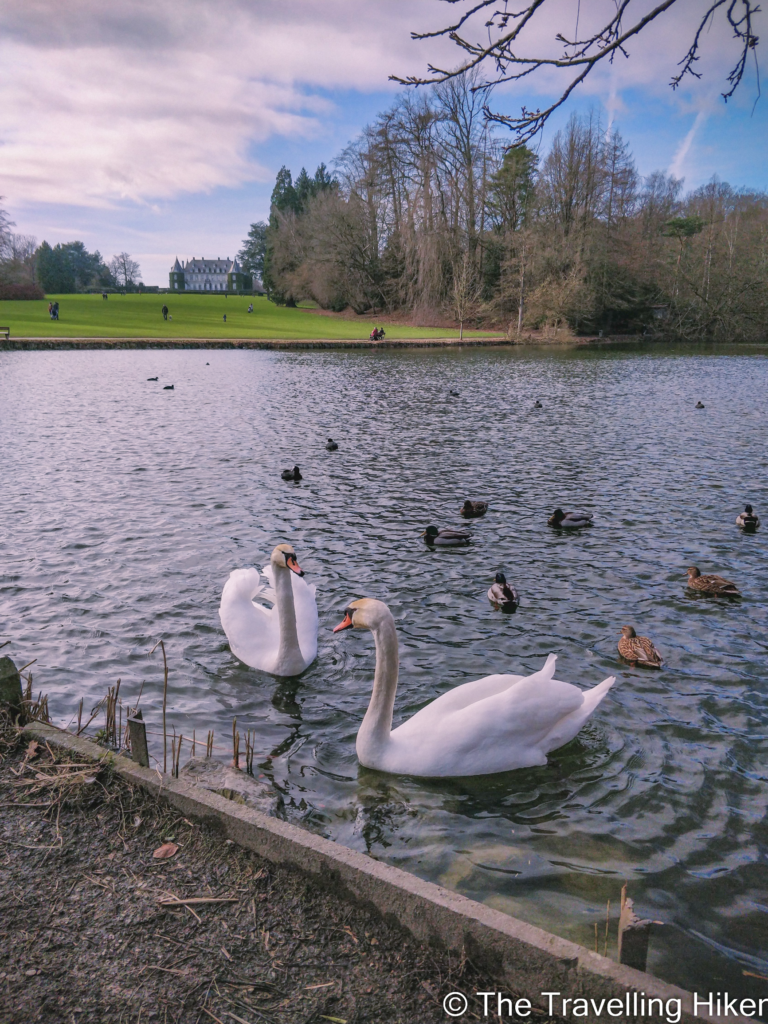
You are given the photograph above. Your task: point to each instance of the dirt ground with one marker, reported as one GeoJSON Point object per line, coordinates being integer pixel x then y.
{"type": "Point", "coordinates": [84, 938]}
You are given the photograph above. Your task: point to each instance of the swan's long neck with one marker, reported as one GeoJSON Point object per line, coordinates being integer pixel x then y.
{"type": "Point", "coordinates": [286, 617]}
{"type": "Point", "coordinates": [377, 724]}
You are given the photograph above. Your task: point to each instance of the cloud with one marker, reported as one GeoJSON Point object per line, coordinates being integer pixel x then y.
{"type": "Point", "coordinates": [677, 167]}
{"type": "Point", "coordinates": [141, 102]}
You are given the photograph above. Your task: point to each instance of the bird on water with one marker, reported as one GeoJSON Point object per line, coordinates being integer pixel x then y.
{"type": "Point", "coordinates": [292, 474]}
{"type": "Point", "coordinates": [639, 649]}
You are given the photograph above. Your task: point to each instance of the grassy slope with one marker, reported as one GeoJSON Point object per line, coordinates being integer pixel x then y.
{"type": "Point", "coordinates": [194, 316]}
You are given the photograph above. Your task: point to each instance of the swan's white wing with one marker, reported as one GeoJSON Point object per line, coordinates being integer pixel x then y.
{"type": "Point", "coordinates": [468, 693]}
{"type": "Point", "coordinates": [305, 607]}
{"type": "Point", "coordinates": [306, 616]}
{"type": "Point", "coordinates": [504, 729]}
{"type": "Point", "coordinates": [567, 727]}
{"type": "Point", "coordinates": [252, 630]}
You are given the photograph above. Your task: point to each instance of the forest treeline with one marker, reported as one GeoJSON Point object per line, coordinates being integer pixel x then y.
{"type": "Point", "coordinates": [29, 270]}
{"type": "Point", "coordinates": [428, 212]}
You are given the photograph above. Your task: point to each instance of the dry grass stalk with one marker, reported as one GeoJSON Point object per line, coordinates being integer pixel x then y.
{"type": "Point", "coordinates": [193, 743]}
{"type": "Point", "coordinates": [79, 715]}
{"type": "Point", "coordinates": [249, 738]}
{"type": "Point", "coordinates": [236, 750]}
{"type": "Point", "coordinates": [209, 744]}
{"type": "Point", "coordinates": [607, 919]}
{"type": "Point", "coordinates": [178, 755]}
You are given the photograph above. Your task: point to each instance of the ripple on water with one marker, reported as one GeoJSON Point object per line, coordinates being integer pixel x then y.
{"type": "Point", "coordinates": [128, 511]}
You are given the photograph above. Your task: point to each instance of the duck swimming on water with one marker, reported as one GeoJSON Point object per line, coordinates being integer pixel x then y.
{"type": "Point", "coordinates": [331, 446]}
{"type": "Point", "coordinates": [292, 474]}
{"type": "Point", "coordinates": [446, 537]}
{"type": "Point", "coordinates": [502, 594]}
{"type": "Point", "coordinates": [473, 509]}
{"type": "Point", "coordinates": [639, 649]}
{"type": "Point", "coordinates": [711, 584]}
{"type": "Point", "coordinates": [569, 520]}
{"type": "Point", "coordinates": [748, 520]}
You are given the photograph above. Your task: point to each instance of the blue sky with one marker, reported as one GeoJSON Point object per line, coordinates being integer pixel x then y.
{"type": "Point", "coordinates": [157, 128]}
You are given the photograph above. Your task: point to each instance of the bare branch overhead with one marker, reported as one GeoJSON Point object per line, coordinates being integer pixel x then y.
{"type": "Point", "coordinates": [500, 59]}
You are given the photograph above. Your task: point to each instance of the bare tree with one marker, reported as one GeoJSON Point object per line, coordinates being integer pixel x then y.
{"type": "Point", "coordinates": [496, 48]}
{"type": "Point", "coordinates": [125, 270]}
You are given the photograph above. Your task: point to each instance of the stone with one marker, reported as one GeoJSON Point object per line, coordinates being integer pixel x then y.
{"type": "Point", "coordinates": [235, 785]}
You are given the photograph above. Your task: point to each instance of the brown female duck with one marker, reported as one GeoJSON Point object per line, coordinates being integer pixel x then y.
{"type": "Point", "coordinates": [473, 509]}
{"type": "Point", "coordinates": [711, 584]}
{"type": "Point", "coordinates": [640, 650]}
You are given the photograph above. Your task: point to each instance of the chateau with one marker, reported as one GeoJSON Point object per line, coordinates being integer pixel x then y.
{"type": "Point", "coordinates": [209, 276]}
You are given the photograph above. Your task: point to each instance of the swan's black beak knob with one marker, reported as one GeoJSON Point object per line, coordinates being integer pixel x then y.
{"type": "Point", "coordinates": [293, 565]}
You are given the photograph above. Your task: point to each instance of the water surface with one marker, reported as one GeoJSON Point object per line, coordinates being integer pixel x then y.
{"type": "Point", "coordinates": [124, 508]}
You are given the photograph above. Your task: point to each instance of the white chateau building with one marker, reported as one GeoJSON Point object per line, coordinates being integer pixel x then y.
{"type": "Point", "coordinates": [209, 276]}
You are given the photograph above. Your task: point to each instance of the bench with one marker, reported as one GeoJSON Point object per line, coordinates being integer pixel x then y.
{"type": "Point", "coordinates": [7, 332]}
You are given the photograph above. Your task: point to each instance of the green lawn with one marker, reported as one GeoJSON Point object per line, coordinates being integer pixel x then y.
{"type": "Point", "coordinates": [193, 316]}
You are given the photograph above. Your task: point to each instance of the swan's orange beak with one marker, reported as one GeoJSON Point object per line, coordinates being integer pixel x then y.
{"type": "Point", "coordinates": [293, 565]}
{"type": "Point", "coordinates": [346, 624]}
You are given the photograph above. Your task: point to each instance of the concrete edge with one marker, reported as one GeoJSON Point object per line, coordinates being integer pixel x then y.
{"type": "Point", "coordinates": [527, 959]}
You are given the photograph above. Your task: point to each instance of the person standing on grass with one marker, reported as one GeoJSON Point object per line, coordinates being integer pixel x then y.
{"type": "Point", "coordinates": [165, 312]}
{"type": "Point", "coordinates": [50, 310]}
{"type": "Point", "coordinates": [55, 311]}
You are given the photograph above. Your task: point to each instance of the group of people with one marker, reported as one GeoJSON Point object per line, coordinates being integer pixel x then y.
{"type": "Point", "coordinates": [377, 334]}
{"type": "Point", "coordinates": [53, 310]}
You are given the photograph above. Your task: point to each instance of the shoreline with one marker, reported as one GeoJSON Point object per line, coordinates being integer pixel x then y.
{"type": "Point", "coordinates": [31, 344]}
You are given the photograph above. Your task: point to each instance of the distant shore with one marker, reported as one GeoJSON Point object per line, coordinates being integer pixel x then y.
{"type": "Point", "coordinates": [35, 344]}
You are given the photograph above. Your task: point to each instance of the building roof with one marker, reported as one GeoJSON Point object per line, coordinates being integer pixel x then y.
{"type": "Point", "coordinates": [176, 268]}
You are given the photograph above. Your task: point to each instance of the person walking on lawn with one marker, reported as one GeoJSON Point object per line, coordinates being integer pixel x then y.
{"type": "Point", "coordinates": [165, 312]}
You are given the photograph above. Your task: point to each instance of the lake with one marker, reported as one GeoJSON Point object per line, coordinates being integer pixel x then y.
{"type": "Point", "coordinates": [125, 507]}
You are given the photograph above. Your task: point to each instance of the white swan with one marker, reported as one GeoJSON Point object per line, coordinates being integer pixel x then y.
{"type": "Point", "coordinates": [281, 640]}
{"type": "Point", "coordinates": [489, 725]}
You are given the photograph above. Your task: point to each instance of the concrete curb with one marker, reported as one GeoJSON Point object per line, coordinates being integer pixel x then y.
{"type": "Point", "coordinates": [525, 959]}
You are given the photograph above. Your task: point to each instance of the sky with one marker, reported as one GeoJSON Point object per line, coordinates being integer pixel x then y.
{"type": "Point", "coordinates": [157, 127]}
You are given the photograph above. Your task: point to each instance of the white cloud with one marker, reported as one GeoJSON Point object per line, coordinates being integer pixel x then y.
{"type": "Point", "coordinates": [155, 99]}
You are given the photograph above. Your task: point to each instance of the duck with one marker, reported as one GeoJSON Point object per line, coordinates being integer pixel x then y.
{"type": "Point", "coordinates": [502, 594]}
{"type": "Point", "coordinates": [494, 724]}
{"type": "Point", "coordinates": [331, 446]}
{"type": "Point", "coordinates": [711, 584]}
{"type": "Point", "coordinates": [281, 640]}
{"type": "Point", "coordinates": [748, 520]}
{"type": "Point", "coordinates": [454, 394]}
{"type": "Point", "coordinates": [168, 387]}
{"type": "Point", "coordinates": [699, 405]}
{"type": "Point", "coordinates": [473, 509]}
{"type": "Point", "coordinates": [639, 649]}
{"type": "Point", "coordinates": [569, 520]}
{"type": "Point", "coordinates": [537, 404]}
{"type": "Point", "coordinates": [292, 474]}
{"type": "Point", "coordinates": [152, 378]}
{"type": "Point", "coordinates": [446, 537]}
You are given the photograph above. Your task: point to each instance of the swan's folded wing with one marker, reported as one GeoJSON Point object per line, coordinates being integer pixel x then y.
{"type": "Point", "coordinates": [468, 693]}
{"type": "Point", "coordinates": [306, 616]}
{"type": "Point", "coordinates": [252, 630]}
{"type": "Point", "coordinates": [525, 712]}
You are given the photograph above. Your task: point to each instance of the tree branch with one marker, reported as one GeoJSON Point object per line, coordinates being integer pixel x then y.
{"type": "Point", "coordinates": [508, 65]}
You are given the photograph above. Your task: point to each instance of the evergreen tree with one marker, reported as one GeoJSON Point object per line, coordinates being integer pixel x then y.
{"type": "Point", "coordinates": [254, 250]}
